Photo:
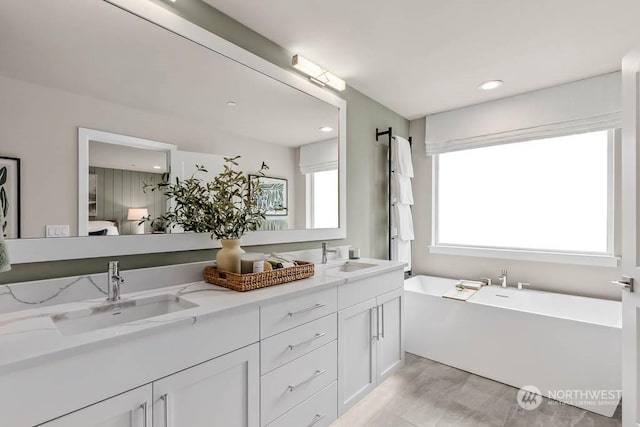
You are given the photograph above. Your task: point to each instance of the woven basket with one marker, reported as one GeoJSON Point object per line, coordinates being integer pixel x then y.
{"type": "Point", "coordinates": [251, 281]}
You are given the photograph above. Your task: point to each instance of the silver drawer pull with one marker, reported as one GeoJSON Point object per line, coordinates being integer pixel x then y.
{"type": "Point", "coordinates": [315, 375]}
{"type": "Point", "coordinates": [315, 307]}
{"type": "Point", "coordinates": [316, 419]}
{"type": "Point", "coordinates": [309, 341]}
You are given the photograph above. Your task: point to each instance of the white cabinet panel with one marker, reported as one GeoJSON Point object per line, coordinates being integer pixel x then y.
{"type": "Point", "coordinates": [390, 347]}
{"type": "Point", "coordinates": [130, 409]}
{"type": "Point", "coordinates": [287, 346]}
{"type": "Point", "coordinates": [357, 335]}
{"type": "Point", "coordinates": [222, 391]}
{"type": "Point", "coordinates": [291, 384]}
{"type": "Point", "coordinates": [361, 290]}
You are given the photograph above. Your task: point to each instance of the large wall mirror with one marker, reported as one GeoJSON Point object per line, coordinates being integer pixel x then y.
{"type": "Point", "coordinates": [101, 98]}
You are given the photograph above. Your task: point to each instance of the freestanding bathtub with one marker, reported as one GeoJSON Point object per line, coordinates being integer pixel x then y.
{"type": "Point", "coordinates": [569, 347]}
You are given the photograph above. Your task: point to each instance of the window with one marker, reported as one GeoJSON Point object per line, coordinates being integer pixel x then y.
{"type": "Point", "coordinates": [549, 195]}
{"type": "Point", "coordinates": [323, 204]}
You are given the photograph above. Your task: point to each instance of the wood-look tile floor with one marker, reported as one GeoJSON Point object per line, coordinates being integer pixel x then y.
{"type": "Point", "coordinates": [427, 394]}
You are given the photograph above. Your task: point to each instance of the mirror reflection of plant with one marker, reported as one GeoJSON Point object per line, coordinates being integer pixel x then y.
{"type": "Point", "coordinates": [227, 206]}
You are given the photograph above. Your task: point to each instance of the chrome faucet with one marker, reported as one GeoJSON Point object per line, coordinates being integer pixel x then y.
{"type": "Point", "coordinates": [503, 278]}
{"type": "Point", "coordinates": [114, 281]}
{"type": "Point", "coordinates": [326, 250]}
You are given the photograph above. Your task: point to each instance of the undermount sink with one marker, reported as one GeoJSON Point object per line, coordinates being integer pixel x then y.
{"type": "Point", "coordinates": [350, 267]}
{"type": "Point", "coordinates": [112, 314]}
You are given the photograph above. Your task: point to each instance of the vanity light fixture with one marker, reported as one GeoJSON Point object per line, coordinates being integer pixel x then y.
{"type": "Point", "coordinates": [231, 104]}
{"type": "Point", "coordinates": [490, 85]}
{"type": "Point", "coordinates": [317, 74]}
{"type": "Point", "coordinates": [137, 214]}
{"type": "Point", "coordinates": [326, 129]}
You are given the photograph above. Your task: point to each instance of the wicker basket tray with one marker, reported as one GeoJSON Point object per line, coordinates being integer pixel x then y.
{"type": "Point", "coordinates": [251, 281]}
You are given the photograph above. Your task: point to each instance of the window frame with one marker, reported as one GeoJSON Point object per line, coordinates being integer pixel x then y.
{"type": "Point", "coordinates": [602, 259]}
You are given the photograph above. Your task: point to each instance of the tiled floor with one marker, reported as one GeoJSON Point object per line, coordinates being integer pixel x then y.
{"type": "Point", "coordinates": [425, 393]}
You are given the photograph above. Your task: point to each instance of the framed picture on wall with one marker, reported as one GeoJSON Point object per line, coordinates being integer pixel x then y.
{"type": "Point", "coordinates": [10, 196]}
{"type": "Point", "coordinates": [93, 195]}
{"type": "Point", "coordinates": [274, 197]}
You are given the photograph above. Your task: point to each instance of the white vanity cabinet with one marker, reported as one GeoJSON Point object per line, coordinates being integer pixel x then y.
{"type": "Point", "coordinates": [223, 391]}
{"type": "Point", "coordinates": [130, 409]}
{"type": "Point", "coordinates": [370, 335]}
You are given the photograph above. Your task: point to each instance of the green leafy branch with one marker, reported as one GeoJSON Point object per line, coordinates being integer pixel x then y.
{"type": "Point", "coordinates": [227, 206]}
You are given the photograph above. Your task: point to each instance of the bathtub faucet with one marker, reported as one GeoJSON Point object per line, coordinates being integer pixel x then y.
{"type": "Point", "coordinates": [503, 278]}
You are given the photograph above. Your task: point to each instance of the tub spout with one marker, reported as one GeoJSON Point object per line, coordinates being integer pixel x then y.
{"type": "Point", "coordinates": [503, 278]}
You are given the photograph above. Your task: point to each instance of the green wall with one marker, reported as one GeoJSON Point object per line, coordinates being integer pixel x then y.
{"type": "Point", "coordinates": [366, 164]}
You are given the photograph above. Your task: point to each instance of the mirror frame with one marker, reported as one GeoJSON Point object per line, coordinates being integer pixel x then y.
{"type": "Point", "coordinates": [57, 249]}
{"type": "Point", "coordinates": [85, 137]}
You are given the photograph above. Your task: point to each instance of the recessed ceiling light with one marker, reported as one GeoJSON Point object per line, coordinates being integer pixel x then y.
{"type": "Point", "coordinates": [326, 129]}
{"type": "Point", "coordinates": [157, 167]}
{"type": "Point", "coordinates": [231, 104]}
{"type": "Point", "coordinates": [490, 85]}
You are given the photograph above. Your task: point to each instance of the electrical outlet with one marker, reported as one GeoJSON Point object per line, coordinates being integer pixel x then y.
{"type": "Point", "coordinates": [57, 231]}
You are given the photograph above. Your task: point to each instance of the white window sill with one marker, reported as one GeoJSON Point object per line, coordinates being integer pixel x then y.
{"type": "Point", "coordinates": [523, 255]}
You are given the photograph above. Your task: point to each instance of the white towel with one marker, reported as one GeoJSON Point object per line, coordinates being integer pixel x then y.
{"type": "Point", "coordinates": [401, 189]}
{"type": "Point", "coordinates": [401, 154]}
{"type": "Point", "coordinates": [403, 222]}
{"type": "Point", "coordinates": [5, 264]}
{"type": "Point", "coordinates": [401, 251]}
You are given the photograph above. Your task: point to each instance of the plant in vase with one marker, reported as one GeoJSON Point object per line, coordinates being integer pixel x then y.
{"type": "Point", "coordinates": [227, 207]}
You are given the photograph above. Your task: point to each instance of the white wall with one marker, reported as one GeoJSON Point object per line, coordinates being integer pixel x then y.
{"type": "Point", "coordinates": [564, 278]}
{"type": "Point", "coordinates": [39, 126]}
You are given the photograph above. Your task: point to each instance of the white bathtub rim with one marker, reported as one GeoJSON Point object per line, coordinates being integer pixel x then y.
{"type": "Point", "coordinates": [617, 324]}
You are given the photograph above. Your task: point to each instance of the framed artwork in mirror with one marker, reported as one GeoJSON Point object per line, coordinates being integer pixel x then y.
{"type": "Point", "coordinates": [10, 196]}
{"type": "Point", "coordinates": [274, 197]}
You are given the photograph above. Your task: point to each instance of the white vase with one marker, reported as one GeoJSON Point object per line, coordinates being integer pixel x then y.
{"type": "Point", "coordinates": [228, 258]}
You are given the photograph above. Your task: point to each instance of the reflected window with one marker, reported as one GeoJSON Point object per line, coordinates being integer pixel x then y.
{"type": "Point", "coordinates": [323, 189]}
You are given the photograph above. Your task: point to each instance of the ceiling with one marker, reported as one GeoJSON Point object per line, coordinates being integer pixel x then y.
{"type": "Point", "coordinates": [424, 56]}
{"type": "Point", "coordinates": [87, 48]}
{"type": "Point", "coordinates": [113, 156]}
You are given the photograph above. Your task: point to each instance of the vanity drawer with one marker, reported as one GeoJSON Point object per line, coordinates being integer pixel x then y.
{"type": "Point", "coordinates": [284, 315]}
{"type": "Point", "coordinates": [320, 410]}
{"type": "Point", "coordinates": [289, 345]}
{"type": "Point", "coordinates": [293, 383]}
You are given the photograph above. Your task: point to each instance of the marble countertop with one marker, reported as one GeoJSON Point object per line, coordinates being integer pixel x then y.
{"type": "Point", "coordinates": [30, 337]}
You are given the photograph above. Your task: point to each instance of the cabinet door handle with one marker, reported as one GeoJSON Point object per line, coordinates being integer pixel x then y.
{"type": "Point", "coordinates": [377, 323]}
{"type": "Point", "coordinates": [315, 375]}
{"type": "Point", "coordinates": [145, 420]}
{"type": "Point", "coordinates": [317, 419]}
{"type": "Point", "coordinates": [165, 399]}
{"type": "Point", "coordinates": [315, 307]}
{"type": "Point", "coordinates": [309, 341]}
{"type": "Point", "coordinates": [382, 309]}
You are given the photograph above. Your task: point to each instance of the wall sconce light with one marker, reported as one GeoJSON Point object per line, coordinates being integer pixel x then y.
{"type": "Point", "coordinates": [317, 74]}
{"type": "Point", "coordinates": [136, 214]}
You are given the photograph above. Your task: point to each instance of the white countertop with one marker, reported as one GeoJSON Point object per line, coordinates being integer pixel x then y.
{"type": "Point", "coordinates": [30, 337]}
